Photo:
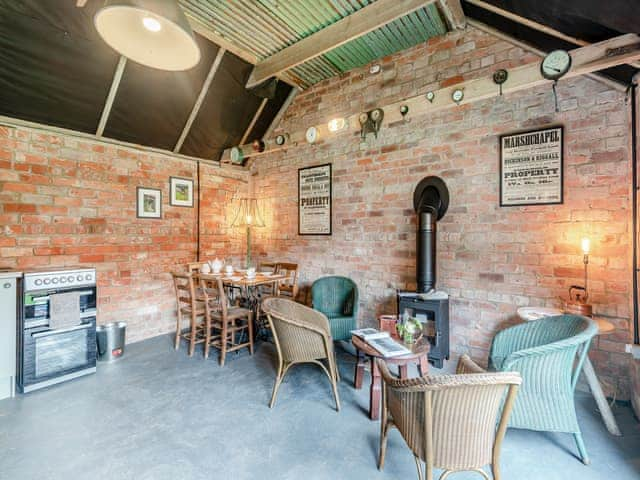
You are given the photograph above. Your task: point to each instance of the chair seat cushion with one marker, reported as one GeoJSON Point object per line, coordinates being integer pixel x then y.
{"type": "Point", "coordinates": [341, 326]}
{"type": "Point", "coordinates": [233, 313]}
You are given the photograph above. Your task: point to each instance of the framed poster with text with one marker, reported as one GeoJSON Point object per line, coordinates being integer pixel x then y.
{"type": "Point", "coordinates": [531, 167]}
{"type": "Point", "coordinates": [314, 200]}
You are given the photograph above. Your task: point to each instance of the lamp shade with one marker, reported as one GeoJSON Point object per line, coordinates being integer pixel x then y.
{"type": "Point", "coordinates": [155, 33]}
{"type": "Point", "coordinates": [248, 214]}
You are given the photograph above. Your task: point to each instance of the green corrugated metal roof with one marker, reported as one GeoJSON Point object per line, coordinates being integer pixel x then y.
{"type": "Point", "coordinates": [264, 27]}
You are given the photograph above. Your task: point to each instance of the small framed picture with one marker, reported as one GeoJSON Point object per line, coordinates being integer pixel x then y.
{"type": "Point", "coordinates": [181, 192]}
{"type": "Point", "coordinates": [149, 202]}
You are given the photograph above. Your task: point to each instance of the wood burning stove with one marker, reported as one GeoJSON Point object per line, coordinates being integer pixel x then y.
{"type": "Point", "coordinates": [430, 201]}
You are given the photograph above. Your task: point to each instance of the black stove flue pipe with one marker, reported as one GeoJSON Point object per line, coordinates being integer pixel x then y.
{"type": "Point", "coordinates": [430, 201]}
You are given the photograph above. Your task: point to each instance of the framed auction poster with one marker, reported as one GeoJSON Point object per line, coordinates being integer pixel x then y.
{"type": "Point", "coordinates": [314, 200]}
{"type": "Point", "coordinates": [531, 167]}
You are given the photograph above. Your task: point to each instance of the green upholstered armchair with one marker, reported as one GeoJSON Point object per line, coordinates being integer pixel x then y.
{"type": "Point", "coordinates": [549, 354]}
{"type": "Point", "coordinates": [337, 298]}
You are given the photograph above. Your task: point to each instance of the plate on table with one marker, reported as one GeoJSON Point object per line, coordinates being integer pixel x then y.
{"type": "Point", "coordinates": [267, 273]}
{"type": "Point", "coordinates": [536, 313]}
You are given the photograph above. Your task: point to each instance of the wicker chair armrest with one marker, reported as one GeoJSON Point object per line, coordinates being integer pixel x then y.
{"type": "Point", "coordinates": [318, 325]}
{"type": "Point", "coordinates": [569, 343]}
{"type": "Point", "coordinates": [438, 382]}
{"type": "Point", "coordinates": [466, 365]}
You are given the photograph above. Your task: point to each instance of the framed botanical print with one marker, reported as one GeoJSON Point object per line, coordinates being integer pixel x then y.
{"type": "Point", "coordinates": [148, 202]}
{"type": "Point", "coordinates": [181, 192]}
{"type": "Point", "coordinates": [314, 200]}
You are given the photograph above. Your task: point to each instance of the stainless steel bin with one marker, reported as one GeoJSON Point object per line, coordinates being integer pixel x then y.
{"type": "Point", "coordinates": [110, 339]}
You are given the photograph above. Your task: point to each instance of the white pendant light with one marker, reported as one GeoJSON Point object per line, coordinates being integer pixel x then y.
{"type": "Point", "coordinates": [155, 33]}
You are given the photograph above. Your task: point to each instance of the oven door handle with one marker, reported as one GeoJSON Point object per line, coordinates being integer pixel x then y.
{"type": "Point", "coordinates": [84, 326]}
{"type": "Point", "coordinates": [46, 298]}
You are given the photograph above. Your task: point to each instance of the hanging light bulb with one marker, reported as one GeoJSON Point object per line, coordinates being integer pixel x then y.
{"type": "Point", "coordinates": [151, 32]}
{"type": "Point", "coordinates": [151, 24]}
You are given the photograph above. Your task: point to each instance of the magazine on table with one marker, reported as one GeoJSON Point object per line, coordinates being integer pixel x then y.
{"type": "Point", "coordinates": [369, 333]}
{"type": "Point", "coordinates": [382, 342]}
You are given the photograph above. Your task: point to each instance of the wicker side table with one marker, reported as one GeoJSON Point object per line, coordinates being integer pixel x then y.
{"type": "Point", "coordinates": [418, 356]}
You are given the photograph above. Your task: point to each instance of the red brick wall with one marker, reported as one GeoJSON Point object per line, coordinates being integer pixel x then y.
{"type": "Point", "coordinates": [491, 260]}
{"type": "Point", "coordinates": [67, 202]}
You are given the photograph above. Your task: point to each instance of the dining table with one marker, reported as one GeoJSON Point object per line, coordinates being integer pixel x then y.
{"type": "Point", "coordinates": [250, 291]}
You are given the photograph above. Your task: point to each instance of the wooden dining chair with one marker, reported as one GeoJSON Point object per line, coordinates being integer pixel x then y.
{"type": "Point", "coordinates": [289, 286]}
{"type": "Point", "coordinates": [225, 326]}
{"type": "Point", "coordinates": [190, 306]}
{"type": "Point", "coordinates": [194, 267]}
{"type": "Point", "coordinates": [267, 266]}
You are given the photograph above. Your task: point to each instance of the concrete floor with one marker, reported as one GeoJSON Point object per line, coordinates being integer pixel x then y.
{"type": "Point", "coordinates": [158, 414]}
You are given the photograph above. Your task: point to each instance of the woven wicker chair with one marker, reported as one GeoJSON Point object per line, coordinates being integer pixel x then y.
{"type": "Point", "coordinates": [301, 335]}
{"type": "Point", "coordinates": [452, 422]}
{"type": "Point", "coordinates": [549, 354]}
{"type": "Point", "coordinates": [337, 298]}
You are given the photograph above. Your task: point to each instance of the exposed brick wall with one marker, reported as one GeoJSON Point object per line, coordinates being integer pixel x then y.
{"type": "Point", "coordinates": [67, 202]}
{"type": "Point", "coordinates": [491, 260]}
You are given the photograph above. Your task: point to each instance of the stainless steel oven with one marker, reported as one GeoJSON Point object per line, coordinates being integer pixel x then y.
{"type": "Point", "coordinates": [48, 353]}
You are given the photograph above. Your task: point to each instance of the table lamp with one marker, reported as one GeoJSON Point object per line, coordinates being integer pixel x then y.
{"type": "Point", "coordinates": [248, 215]}
{"type": "Point", "coordinates": [578, 295]}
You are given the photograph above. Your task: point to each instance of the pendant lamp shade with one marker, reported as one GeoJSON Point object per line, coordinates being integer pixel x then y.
{"type": "Point", "coordinates": [155, 33]}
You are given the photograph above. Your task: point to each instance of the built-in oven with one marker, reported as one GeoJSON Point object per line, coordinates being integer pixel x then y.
{"type": "Point", "coordinates": [56, 346]}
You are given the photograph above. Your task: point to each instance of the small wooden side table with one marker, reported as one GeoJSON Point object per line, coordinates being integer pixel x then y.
{"type": "Point", "coordinates": [418, 356]}
{"type": "Point", "coordinates": [604, 328]}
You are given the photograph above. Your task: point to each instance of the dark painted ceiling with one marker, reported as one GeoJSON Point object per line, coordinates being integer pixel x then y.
{"type": "Point", "coordinates": [588, 20]}
{"type": "Point", "coordinates": [56, 70]}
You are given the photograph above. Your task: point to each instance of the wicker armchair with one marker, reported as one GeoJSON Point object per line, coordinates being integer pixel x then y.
{"type": "Point", "coordinates": [452, 422]}
{"type": "Point", "coordinates": [549, 354]}
{"type": "Point", "coordinates": [301, 335]}
{"type": "Point", "coordinates": [337, 298]}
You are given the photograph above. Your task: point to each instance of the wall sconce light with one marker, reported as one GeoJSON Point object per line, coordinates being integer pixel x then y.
{"type": "Point", "coordinates": [248, 215]}
{"type": "Point", "coordinates": [337, 124]}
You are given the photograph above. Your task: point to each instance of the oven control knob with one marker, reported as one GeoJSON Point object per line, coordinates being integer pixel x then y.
{"type": "Point", "coordinates": [47, 281]}
{"type": "Point", "coordinates": [88, 277]}
{"type": "Point", "coordinates": [63, 279]}
{"type": "Point", "coordinates": [79, 278]}
{"type": "Point", "coordinates": [70, 279]}
{"type": "Point", "coordinates": [54, 280]}
{"type": "Point", "coordinates": [38, 282]}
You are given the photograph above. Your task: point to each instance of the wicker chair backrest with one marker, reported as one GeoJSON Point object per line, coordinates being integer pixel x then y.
{"type": "Point", "coordinates": [302, 333]}
{"type": "Point", "coordinates": [450, 418]}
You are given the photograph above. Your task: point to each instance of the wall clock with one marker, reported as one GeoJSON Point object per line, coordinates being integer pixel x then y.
{"type": "Point", "coordinates": [457, 95]}
{"type": "Point", "coordinates": [312, 134]}
{"type": "Point", "coordinates": [555, 65]}
{"type": "Point", "coordinates": [404, 109]}
{"type": "Point", "coordinates": [281, 140]}
{"type": "Point", "coordinates": [430, 96]}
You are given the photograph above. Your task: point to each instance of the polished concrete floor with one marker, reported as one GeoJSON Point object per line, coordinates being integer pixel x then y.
{"type": "Point", "coordinates": [157, 414]}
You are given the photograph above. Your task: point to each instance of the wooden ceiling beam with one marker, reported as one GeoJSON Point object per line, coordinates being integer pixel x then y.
{"type": "Point", "coordinates": [452, 11]}
{"type": "Point", "coordinates": [111, 96]}
{"type": "Point", "coordinates": [254, 120]}
{"type": "Point", "coordinates": [203, 93]}
{"type": "Point", "coordinates": [357, 24]}
{"type": "Point", "coordinates": [514, 17]}
{"type": "Point", "coordinates": [207, 32]}
{"type": "Point", "coordinates": [585, 60]}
